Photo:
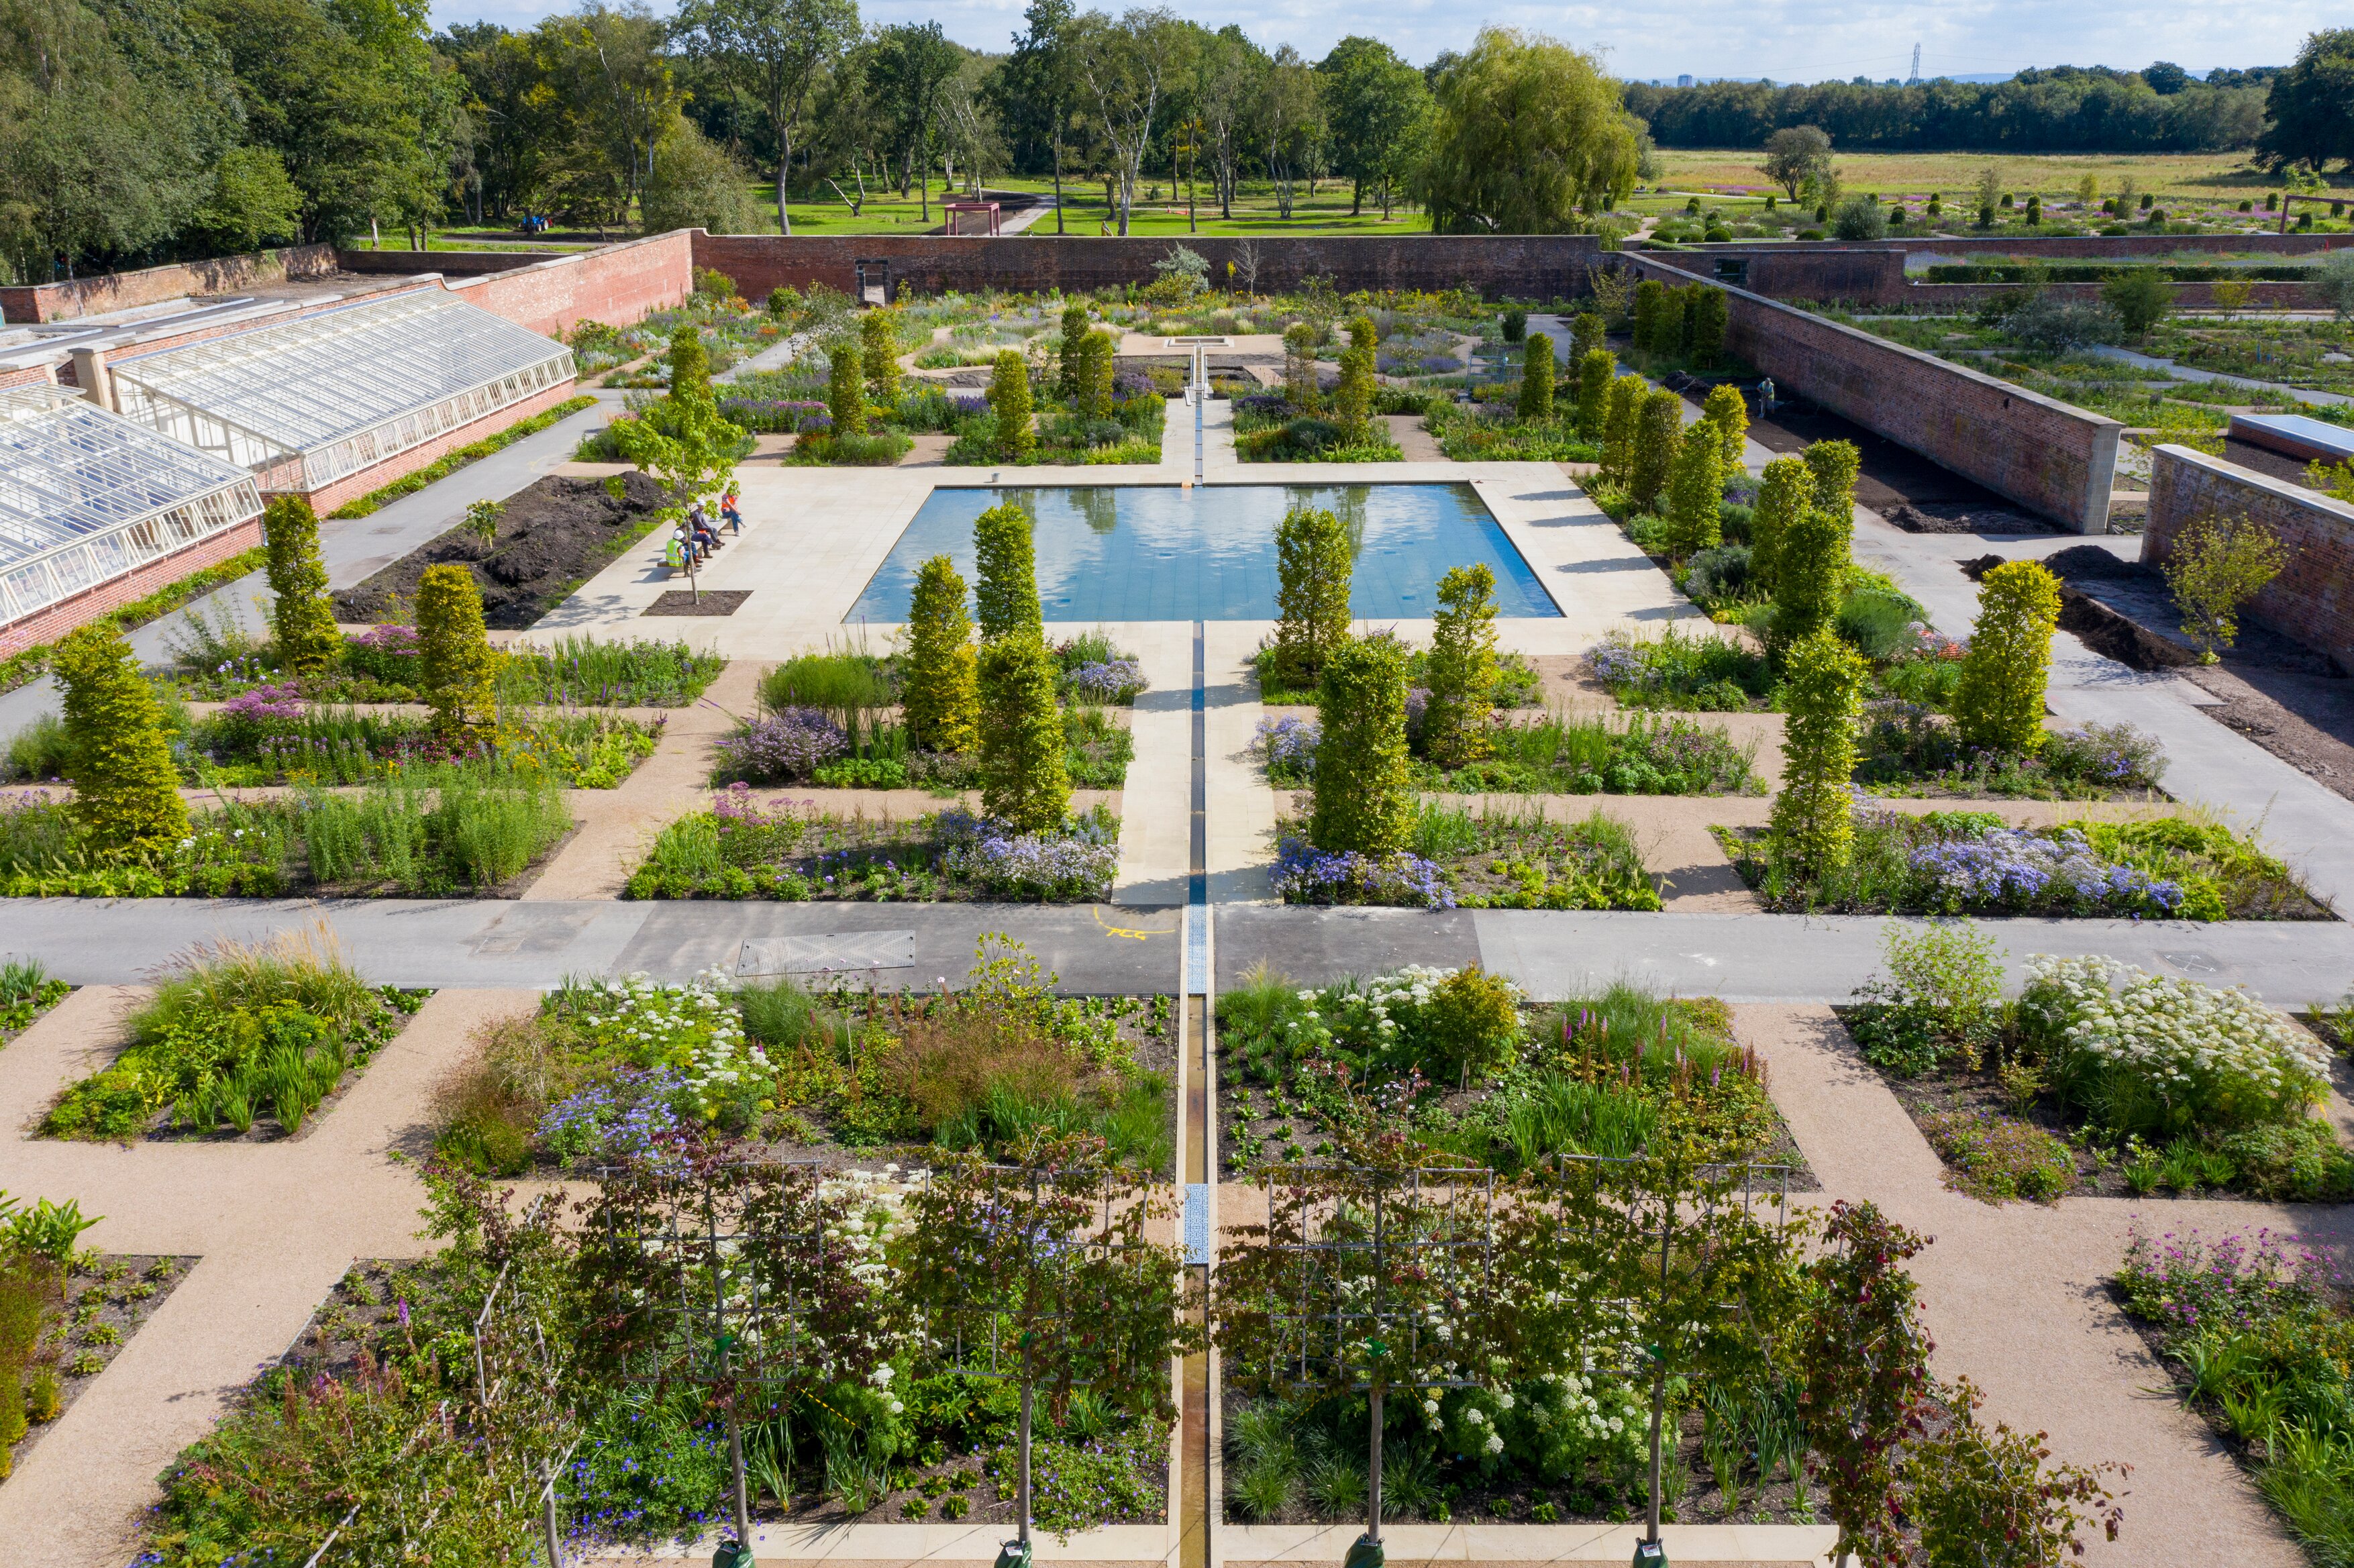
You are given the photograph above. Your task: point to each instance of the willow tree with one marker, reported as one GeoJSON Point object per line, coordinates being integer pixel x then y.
{"type": "Point", "coordinates": [1527, 130]}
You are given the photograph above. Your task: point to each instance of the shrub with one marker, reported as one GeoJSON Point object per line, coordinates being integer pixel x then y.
{"type": "Point", "coordinates": [1658, 427]}
{"type": "Point", "coordinates": [1362, 801]}
{"type": "Point", "coordinates": [303, 619]}
{"type": "Point", "coordinates": [1024, 781]}
{"type": "Point", "coordinates": [1009, 400]}
{"type": "Point", "coordinates": [1352, 402]}
{"type": "Point", "coordinates": [1593, 368]}
{"type": "Point", "coordinates": [1725, 409]}
{"type": "Point", "coordinates": [1314, 569]}
{"type": "Point", "coordinates": [1005, 599]}
{"type": "Point", "coordinates": [1462, 664]}
{"type": "Point", "coordinates": [1811, 568]}
{"type": "Point", "coordinates": [1651, 300]}
{"type": "Point", "coordinates": [2215, 566]}
{"type": "Point", "coordinates": [1943, 992]}
{"type": "Point", "coordinates": [942, 702]}
{"type": "Point", "coordinates": [1695, 489]}
{"type": "Point", "coordinates": [781, 748]}
{"type": "Point", "coordinates": [1835, 465]}
{"type": "Point", "coordinates": [455, 664]}
{"type": "Point", "coordinates": [1997, 1159]}
{"type": "Point", "coordinates": [1708, 318]}
{"type": "Point", "coordinates": [1300, 387]}
{"type": "Point", "coordinates": [1860, 217]}
{"type": "Point", "coordinates": [1070, 357]}
{"type": "Point", "coordinates": [1823, 681]}
{"type": "Point", "coordinates": [126, 791]}
{"type": "Point", "coordinates": [1991, 1500]}
{"type": "Point", "coordinates": [1095, 380]}
{"type": "Point", "coordinates": [1536, 379]}
{"type": "Point", "coordinates": [1999, 702]}
{"type": "Point", "coordinates": [1513, 324]}
{"type": "Point", "coordinates": [1619, 418]}
{"type": "Point", "coordinates": [1475, 1020]}
{"type": "Point", "coordinates": [845, 389]}
{"type": "Point", "coordinates": [1785, 490]}
{"type": "Point", "coordinates": [878, 356]}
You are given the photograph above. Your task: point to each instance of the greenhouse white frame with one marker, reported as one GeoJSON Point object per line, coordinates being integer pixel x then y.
{"type": "Point", "coordinates": [341, 389]}
{"type": "Point", "coordinates": [85, 497]}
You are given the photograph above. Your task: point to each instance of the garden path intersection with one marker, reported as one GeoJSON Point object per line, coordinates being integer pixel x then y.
{"type": "Point", "coordinates": [2015, 1296]}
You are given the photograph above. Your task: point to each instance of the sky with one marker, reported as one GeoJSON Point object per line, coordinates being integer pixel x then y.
{"type": "Point", "coordinates": [1788, 41]}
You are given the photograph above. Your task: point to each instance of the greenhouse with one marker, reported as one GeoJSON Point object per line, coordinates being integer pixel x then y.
{"type": "Point", "coordinates": [341, 389]}
{"type": "Point", "coordinates": [85, 497]}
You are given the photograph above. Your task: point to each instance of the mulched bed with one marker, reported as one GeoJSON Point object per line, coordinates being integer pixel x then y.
{"type": "Point", "coordinates": [121, 1292]}
{"type": "Point", "coordinates": [683, 601]}
{"type": "Point", "coordinates": [1965, 517]}
{"type": "Point", "coordinates": [550, 539]}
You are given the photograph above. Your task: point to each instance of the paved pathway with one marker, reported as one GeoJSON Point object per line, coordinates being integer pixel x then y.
{"type": "Point", "coordinates": [2188, 373]}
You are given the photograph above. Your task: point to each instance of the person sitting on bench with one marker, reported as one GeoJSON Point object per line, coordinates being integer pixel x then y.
{"type": "Point", "coordinates": [733, 518]}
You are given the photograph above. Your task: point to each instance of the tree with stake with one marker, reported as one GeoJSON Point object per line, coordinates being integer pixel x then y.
{"type": "Point", "coordinates": [126, 791]}
{"type": "Point", "coordinates": [1352, 402]}
{"type": "Point", "coordinates": [1462, 668]}
{"type": "Point", "coordinates": [1536, 379]}
{"type": "Point", "coordinates": [1363, 801]}
{"type": "Point", "coordinates": [1025, 782]}
{"type": "Point", "coordinates": [1999, 704]}
{"type": "Point", "coordinates": [1658, 427]}
{"type": "Point", "coordinates": [1006, 597]}
{"type": "Point", "coordinates": [1071, 354]}
{"type": "Point", "coordinates": [942, 704]}
{"type": "Point", "coordinates": [1785, 490]}
{"type": "Point", "coordinates": [1729, 411]}
{"type": "Point", "coordinates": [1695, 492]}
{"type": "Point", "coordinates": [2215, 566]}
{"type": "Point", "coordinates": [1823, 679]}
{"type": "Point", "coordinates": [878, 354]}
{"type": "Point", "coordinates": [1618, 423]}
{"type": "Point", "coordinates": [1593, 368]}
{"type": "Point", "coordinates": [1299, 388]}
{"type": "Point", "coordinates": [304, 616]}
{"type": "Point", "coordinates": [454, 661]}
{"type": "Point", "coordinates": [1009, 400]}
{"type": "Point", "coordinates": [1313, 566]}
{"type": "Point", "coordinates": [682, 440]}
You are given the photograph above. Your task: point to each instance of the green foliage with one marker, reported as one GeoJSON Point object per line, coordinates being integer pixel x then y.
{"type": "Point", "coordinates": [1299, 384]}
{"type": "Point", "coordinates": [1536, 379]}
{"type": "Point", "coordinates": [1863, 1356]}
{"type": "Point", "coordinates": [1526, 130]}
{"type": "Point", "coordinates": [878, 356]}
{"type": "Point", "coordinates": [1823, 682]}
{"type": "Point", "coordinates": [1620, 418]}
{"type": "Point", "coordinates": [1725, 409]}
{"type": "Point", "coordinates": [1835, 465]}
{"type": "Point", "coordinates": [1786, 493]}
{"type": "Point", "coordinates": [1695, 489]}
{"type": "Point", "coordinates": [1999, 704]}
{"type": "Point", "coordinates": [1006, 599]}
{"type": "Point", "coordinates": [1650, 303]}
{"type": "Point", "coordinates": [455, 665]}
{"type": "Point", "coordinates": [1352, 400]}
{"type": "Point", "coordinates": [1313, 566]}
{"type": "Point", "coordinates": [1992, 1500]}
{"type": "Point", "coordinates": [1707, 320]}
{"type": "Point", "coordinates": [845, 388]}
{"type": "Point", "coordinates": [1594, 376]}
{"type": "Point", "coordinates": [1095, 378]}
{"type": "Point", "coordinates": [1463, 668]}
{"type": "Point", "coordinates": [2141, 297]}
{"type": "Point", "coordinates": [1997, 1159]}
{"type": "Point", "coordinates": [1361, 799]}
{"type": "Point", "coordinates": [1811, 572]}
{"type": "Point", "coordinates": [1587, 332]}
{"type": "Point", "coordinates": [1024, 781]}
{"type": "Point", "coordinates": [1659, 427]}
{"type": "Point", "coordinates": [1070, 358]}
{"type": "Point", "coordinates": [1942, 995]}
{"type": "Point", "coordinates": [1009, 400]}
{"type": "Point", "coordinates": [2214, 566]}
{"type": "Point", "coordinates": [942, 701]}
{"type": "Point", "coordinates": [126, 795]}
{"type": "Point", "coordinates": [304, 616]}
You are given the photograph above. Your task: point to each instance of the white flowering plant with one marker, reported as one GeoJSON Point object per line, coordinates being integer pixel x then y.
{"type": "Point", "coordinates": [2155, 1056]}
{"type": "Point", "coordinates": [1555, 1426]}
{"type": "Point", "coordinates": [694, 1031]}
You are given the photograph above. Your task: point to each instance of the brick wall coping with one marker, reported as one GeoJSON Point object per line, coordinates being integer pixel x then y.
{"type": "Point", "coordinates": [2284, 490]}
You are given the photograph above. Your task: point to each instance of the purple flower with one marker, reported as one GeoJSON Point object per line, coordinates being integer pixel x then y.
{"type": "Point", "coordinates": [1288, 745]}
{"type": "Point", "coordinates": [782, 747]}
{"type": "Point", "coordinates": [1080, 863]}
{"type": "Point", "coordinates": [1118, 681]}
{"type": "Point", "coordinates": [1306, 874]}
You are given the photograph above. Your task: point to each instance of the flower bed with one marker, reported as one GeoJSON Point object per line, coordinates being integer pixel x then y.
{"type": "Point", "coordinates": [1488, 860]}
{"type": "Point", "coordinates": [1473, 434]}
{"type": "Point", "coordinates": [269, 735]}
{"type": "Point", "coordinates": [1954, 863]}
{"type": "Point", "coordinates": [1553, 755]}
{"type": "Point", "coordinates": [71, 1312]}
{"type": "Point", "coordinates": [794, 850]}
{"type": "Point", "coordinates": [1132, 434]}
{"type": "Point", "coordinates": [379, 665]}
{"type": "Point", "coordinates": [1266, 431]}
{"type": "Point", "coordinates": [26, 991]}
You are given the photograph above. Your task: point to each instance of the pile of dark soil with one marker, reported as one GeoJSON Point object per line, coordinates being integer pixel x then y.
{"type": "Point", "coordinates": [551, 538]}
{"type": "Point", "coordinates": [1963, 517]}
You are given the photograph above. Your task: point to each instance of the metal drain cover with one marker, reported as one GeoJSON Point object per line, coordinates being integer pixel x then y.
{"type": "Point", "coordinates": [838, 952]}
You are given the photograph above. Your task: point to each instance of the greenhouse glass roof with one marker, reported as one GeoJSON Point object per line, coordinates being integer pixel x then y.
{"type": "Point", "coordinates": [343, 388]}
{"type": "Point", "coordinates": [86, 496]}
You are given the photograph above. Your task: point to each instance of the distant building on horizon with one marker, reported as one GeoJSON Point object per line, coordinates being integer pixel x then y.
{"type": "Point", "coordinates": [1684, 80]}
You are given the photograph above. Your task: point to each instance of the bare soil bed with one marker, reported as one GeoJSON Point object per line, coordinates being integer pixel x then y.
{"type": "Point", "coordinates": [549, 540]}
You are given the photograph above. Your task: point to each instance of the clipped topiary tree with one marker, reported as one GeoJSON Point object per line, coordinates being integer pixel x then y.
{"type": "Point", "coordinates": [1695, 491]}
{"type": "Point", "coordinates": [126, 791]}
{"type": "Point", "coordinates": [1705, 321]}
{"type": "Point", "coordinates": [1999, 704]}
{"type": "Point", "coordinates": [1313, 566]}
{"type": "Point", "coordinates": [1009, 400]}
{"type": "Point", "coordinates": [1729, 411]}
{"type": "Point", "coordinates": [454, 661]}
{"type": "Point", "coordinates": [1536, 379]}
{"type": "Point", "coordinates": [1071, 355]}
{"type": "Point", "coordinates": [1810, 564]}
{"type": "Point", "coordinates": [1822, 680]}
{"type": "Point", "coordinates": [942, 701]}
{"type": "Point", "coordinates": [1024, 781]}
{"type": "Point", "coordinates": [1618, 422]}
{"type": "Point", "coordinates": [1658, 427]}
{"type": "Point", "coordinates": [878, 352]}
{"type": "Point", "coordinates": [1593, 368]}
{"type": "Point", "coordinates": [1363, 802]}
{"type": "Point", "coordinates": [1835, 466]}
{"type": "Point", "coordinates": [1005, 599]}
{"type": "Point", "coordinates": [304, 616]}
{"type": "Point", "coordinates": [1650, 301]}
{"type": "Point", "coordinates": [845, 388]}
{"type": "Point", "coordinates": [1095, 380]}
{"type": "Point", "coordinates": [1462, 667]}
{"type": "Point", "coordinates": [690, 365]}
{"type": "Point", "coordinates": [1587, 332]}
{"type": "Point", "coordinates": [1352, 401]}
{"type": "Point", "coordinates": [1785, 489]}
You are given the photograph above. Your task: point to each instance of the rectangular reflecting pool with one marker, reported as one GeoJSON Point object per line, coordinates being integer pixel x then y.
{"type": "Point", "coordinates": [1160, 553]}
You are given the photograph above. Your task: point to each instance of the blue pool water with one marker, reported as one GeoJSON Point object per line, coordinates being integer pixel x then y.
{"type": "Point", "coordinates": [1160, 553]}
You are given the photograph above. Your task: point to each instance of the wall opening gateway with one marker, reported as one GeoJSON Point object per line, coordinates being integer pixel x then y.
{"type": "Point", "coordinates": [874, 282]}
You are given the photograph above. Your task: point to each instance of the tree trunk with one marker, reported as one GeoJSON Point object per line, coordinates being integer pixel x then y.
{"type": "Point", "coordinates": [1058, 174]}
{"type": "Point", "coordinates": [1357, 198]}
{"type": "Point", "coordinates": [923, 177]}
{"type": "Point", "coordinates": [784, 174]}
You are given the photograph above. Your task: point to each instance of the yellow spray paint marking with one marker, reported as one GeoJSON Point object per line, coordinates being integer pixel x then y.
{"type": "Point", "coordinates": [1130, 932]}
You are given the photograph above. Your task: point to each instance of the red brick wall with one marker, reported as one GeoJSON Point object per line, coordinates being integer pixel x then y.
{"type": "Point", "coordinates": [1961, 296]}
{"type": "Point", "coordinates": [2048, 457]}
{"type": "Point", "coordinates": [374, 477]}
{"type": "Point", "coordinates": [1537, 267]}
{"type": "Point", "coordinates": [2082, 247]}
{"type": "Point", "coordinates": [1858, 274]}
{"type": "Point", "coordinates": [614, 284]}
{"type": "Point", "coordinates": [32, 375]}
{"type": "Point", "coordinates": [2312, 600]}
{"type": "Point", "coordinates": [122, 291]}
{"type": "Point", "coordinates": [48, 625]}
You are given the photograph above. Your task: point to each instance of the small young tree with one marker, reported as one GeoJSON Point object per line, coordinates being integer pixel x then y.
{"type": "Point", "coordinates": [1786, 491]}
{"type": "Point", "coordinates": [2215, 566]}
{"type": "Point", "coordinates": [1009, 400]}
{"type": "Point", "coordinates": [1024, 782]}
{"type": "Point", "coordinates": [1658, 428]}
{"type": "Point", "coordinates": [1005, 599]}
{"type": "Point", "coordinates": [1835, 465]}
{"type": "Point", "coordinates": [1593, 368]}
{"type": "Point", "coordinates": [1462, 667]}
{"type": "Point", "coordinates": [1313, 566]}
{"type": "Point", "coordinates": [126, 791]}
{"type": "Point", "coordinates": [304, 616]}
{"type": "Point", "coordinates": [1999, 704]}
{"type": "Point", "coordinates": [942, 699]}
{"type": "Point", "coordinates": [1536, 379]}
{"type": "Point", "coordinates": [1651, 301]}
{"type": "Point", "coordinates": [1352, 402]}
{"type": "Point", "coordinates": [1727, 410]}
{"type": "Point", "coordinates": [1618, 425]}
{"type": "Point", "coordinates": [1299, 387]}
{"type": "Point", "coordinates": [1695, 491]}
{"type": "Point", "coordinates": [454, 661]}
{"type": "Point", "coordinates": [1708, 319]}
{"type": "Point", "coordinates": [1587, 332]}
{"type": "Point", "coordinates": [1822, 680]}
{"type": "Point", "coordinates": [1363, 801]}
{"type": "Point", "coordinates": [1992, 1500]}
{"type": "Point", "coordinates": [845, 388]}
{"type": "Point", "coordinates": [1811, 562]}
{"type": "Point", "coordinates": [878, 354]}
{"type": "Point", "coordinates": [1070, 350]}
{"type": "Point", "coordinates": [1095, 385]}
{"type": "Point", "coordinates": [2142, 297]}
{"type": "Point", "coordinates": [1864, 1357]}
{"type": "Point", "coordinates": [681, 439]}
